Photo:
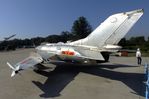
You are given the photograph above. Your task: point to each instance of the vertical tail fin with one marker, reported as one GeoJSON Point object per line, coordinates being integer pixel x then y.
{"type": "Point", "coordinates": [133, 17]}
{"type": "Point", "coordinates": [112, 29]}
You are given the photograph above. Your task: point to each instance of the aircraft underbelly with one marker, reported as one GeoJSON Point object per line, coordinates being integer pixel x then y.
{"type": "Point", "coordinates": [64, 57]}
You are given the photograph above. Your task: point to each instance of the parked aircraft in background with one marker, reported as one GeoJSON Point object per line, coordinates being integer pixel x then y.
{"type": "Point", "coordinates": [94, 48]}
{"type": "Point", "coordinates": [6, 47]}
{"type": "Point", "coordinates": [7, 38]}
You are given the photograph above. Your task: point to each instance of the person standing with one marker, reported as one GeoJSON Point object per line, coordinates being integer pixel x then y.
{"type": "Point", "coordinates": [138, 55]}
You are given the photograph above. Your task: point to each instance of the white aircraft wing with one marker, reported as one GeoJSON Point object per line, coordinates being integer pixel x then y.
{"type": "Point", "coordinates": [24, 64]}
{"type": "Point", "coordinates": [29, 62]}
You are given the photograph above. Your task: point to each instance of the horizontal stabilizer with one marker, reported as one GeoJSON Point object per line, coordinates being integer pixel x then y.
{"type": "Point", "coordinates": [95, 55]}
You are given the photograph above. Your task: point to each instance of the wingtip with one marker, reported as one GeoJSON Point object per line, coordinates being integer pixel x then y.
{"type": "Point", "coordinates": [140, 10]}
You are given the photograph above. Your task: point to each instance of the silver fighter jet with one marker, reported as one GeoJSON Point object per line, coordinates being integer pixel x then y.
{"type": "Point", "coordinates": [94, 48]}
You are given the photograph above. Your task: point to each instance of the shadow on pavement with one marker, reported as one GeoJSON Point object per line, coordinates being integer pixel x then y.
{"type": "Point", "coordinates": [63, 74]}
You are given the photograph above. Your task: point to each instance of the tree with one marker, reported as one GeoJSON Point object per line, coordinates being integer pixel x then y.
{"type": "Point", "coordinates": [122, 42]}
{"type": "Point", "coordinates": [148, 39]}
{"type": "Point", "coordinates": [140, 40]}
{"type": "Point", "coordinates": [81, 28]}
{"type": "Point", "coordinates": [37, 41]}
{"type": "Point", "coordinates": [53, 39]}
{"type": "Point", "coordinates": [65, 36]}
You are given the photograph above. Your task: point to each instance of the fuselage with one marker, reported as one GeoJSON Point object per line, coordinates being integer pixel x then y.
{"type": "Point", "coordinates": [59, 52]}
{"type": "Point", "coordinates": [72, 53]}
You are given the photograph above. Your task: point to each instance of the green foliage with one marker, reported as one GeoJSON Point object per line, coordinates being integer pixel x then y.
{"type": "Point", "coordinates": [37, 41]}
{"type": "Point", "coordinates": [123, 42]}
{"type": "Point", "coordinates": [135, 42]}
{"type": "Point", "coordinates": [66, 36]}
{"type": "Point", "coordinates": [81, 28]}
{"type": "Point", "coordinates": [53, 38]}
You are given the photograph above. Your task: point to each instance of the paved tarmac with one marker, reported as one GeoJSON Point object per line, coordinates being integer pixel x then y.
{"type": "Point", "coordinates": [121, 78]}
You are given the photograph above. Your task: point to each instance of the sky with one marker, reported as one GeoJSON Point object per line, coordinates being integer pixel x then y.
{"type": "Point", "coordinates": [32, 18]}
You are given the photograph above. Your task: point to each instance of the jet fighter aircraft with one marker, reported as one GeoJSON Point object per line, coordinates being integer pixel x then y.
{"type": "Point", "coordinates": [94, 48]}
{"type": "Point", "coordinates": [6, 47]}
{"type": "Point", "coordinates": [7, 38]}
